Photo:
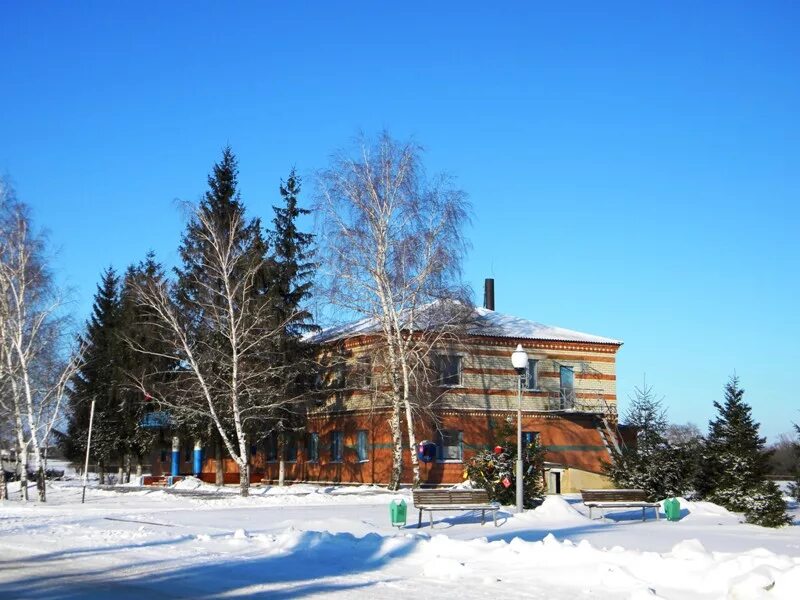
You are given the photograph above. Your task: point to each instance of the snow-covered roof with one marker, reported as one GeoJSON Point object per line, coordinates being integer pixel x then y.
{"type": "Point", "coordinates": [484, 322]}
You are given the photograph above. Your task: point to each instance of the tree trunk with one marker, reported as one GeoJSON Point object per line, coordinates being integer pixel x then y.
{"type": "Point", "coordinates": [412, 443]}
{"type": "Point", "coordinates": [282, 458]}
{"type": "Point", "coordinates": [41, 483]}
{"type": "Point", "coordinates": [397, 447]}
{"type": "Point", "coordinates": [23, 474]}
{"type": "Point", "coordinates": [3, 484]}
{"type": "Point", "coordinates": [101, 472]}
{"type": "Point", "coordinates": [244, 479]}
{"type": "Point", "coordinates": [120, 471]}
{"type": "Point", "coordinates": [127, 468]}
{"type": "Point", "coordinates": [220, 473]}
{"type": "Point", "coordinates": [138, 468]}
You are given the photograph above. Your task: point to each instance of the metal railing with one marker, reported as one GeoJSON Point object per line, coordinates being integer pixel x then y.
{"type": "Point", "coordinates": [580, 400]}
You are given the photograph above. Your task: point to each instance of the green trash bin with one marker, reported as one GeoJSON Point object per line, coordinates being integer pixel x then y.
{"type": "Point", "coordinates": [397, 511]}
{"type": "Point", "coordinates": [672, 508]}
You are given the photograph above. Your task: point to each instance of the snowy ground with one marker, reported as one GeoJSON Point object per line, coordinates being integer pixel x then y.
{"type": "Point", "coordinates": [308, 540]}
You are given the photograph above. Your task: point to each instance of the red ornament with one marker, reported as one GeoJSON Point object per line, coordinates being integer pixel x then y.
{"type": "Point", "coordinates": [506, 481]}
{"type": "Point", "coordinates": [499, 449]}
{"type": "Point", "coordinates": [147, 397]}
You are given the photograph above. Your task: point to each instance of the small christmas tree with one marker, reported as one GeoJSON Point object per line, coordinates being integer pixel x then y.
{"type": "Point", "coordinates": [495, 470]}
{"type": "Point", "coordinates": [652, 464]}
{"type": "Point", "coordinates": [736, 463]}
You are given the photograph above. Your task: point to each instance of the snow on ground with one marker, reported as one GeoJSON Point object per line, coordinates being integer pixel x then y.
{"type": "Point", "coordinates": [200, 541]}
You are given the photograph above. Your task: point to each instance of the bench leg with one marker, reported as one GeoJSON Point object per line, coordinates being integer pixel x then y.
{"type": "Point", "coordinates": [643, 515]}
{"type": "Point", "coordinates": [430, 516]}
{"type": "Point", "coordinates": [656, 509]}
{"type": "Point", "coordinates": [419, 523]}
{"type": "Point", "coordinates": [483, 517]}
{"type": "Point", "coordinates": [494, 517]}
{"type": "Point", "coordinates": [590, 513]}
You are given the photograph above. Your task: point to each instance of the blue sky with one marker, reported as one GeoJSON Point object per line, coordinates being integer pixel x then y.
{"type": "Point", "coordinates": [633, 169]}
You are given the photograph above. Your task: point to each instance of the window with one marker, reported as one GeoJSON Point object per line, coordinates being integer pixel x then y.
{"type": "Point", "coordinates": [312, 447]}
{"type": "Point", "coordinates": [336, 446]}
{"type": "Point", "coordinates": [567, 380]}
{"type": "Point", "coordinates": [530, 437]}
{"type": "Point", "coordinates": [449, 445]}
{"type": "Point", "coordinates": [291, 448]}
{"type": "Point", "coordinates": [163, 456]}
{"type": "Point", "coordinates": [365, 372]}
{"type": "Point", "coordinates": [531, 382]}
{"type": "Point", "coordinates": [361, 446]}
{"type": "Point", "coordinates": [187, 454]}
{"type": "Point", "coordinates": [448, 368]}
{"type": "Point", "coordinates": [272, 447]}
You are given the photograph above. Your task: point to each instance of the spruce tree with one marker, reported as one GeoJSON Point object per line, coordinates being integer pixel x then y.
{"type": "Point", "coordinates": [98, 379]}
{"type": "Point", "coordinates": [736, 463]}
{"type": "Point", "coordinates": [652, 464]}
{"type": "Point", "coordinates": [794, 486]}
{"type": "Point", "coordinates": [202, 297]}
{"type": "Point", "coordinates": [496, 471]}
{"type": "Point", "coordinates": [289, 272]}
{"type": "Point", "coordinates": [144, 358]}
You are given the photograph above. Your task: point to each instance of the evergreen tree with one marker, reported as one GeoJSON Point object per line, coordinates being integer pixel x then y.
{"type": "Point", "coordinates": [98, 379]}
{"type": "Point", "coordinates": [652, 464]}
{"type": "Point", "coordinates": [736, 463]}
{"type": "Point", "coordinates": [219, 321]}
{"type": "Point", "coordinates": [496, 472]}
{"type": "Point", "coordinates": [288, 282]}
{"type": "Point", "coordinates": [794, 486]}
{"type": "Point", "coordinates": [144, 359]}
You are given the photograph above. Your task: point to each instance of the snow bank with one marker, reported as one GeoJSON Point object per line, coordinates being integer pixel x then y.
{"type": "Point", "coordinates": [554, 509]}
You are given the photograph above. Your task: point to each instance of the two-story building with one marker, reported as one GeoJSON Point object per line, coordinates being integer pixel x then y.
{"type": "Point", "coordinates": [568, 404]}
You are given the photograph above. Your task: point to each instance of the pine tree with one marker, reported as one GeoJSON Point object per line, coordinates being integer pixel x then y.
{"type": "Point", "coordinates": [288, 283]}
{"type": "Point", "coordinates": [98, 379]}
{"type": "Point", "coordinates": [652, 464]}
{"type": "Point", "coordinates": [736, 463]}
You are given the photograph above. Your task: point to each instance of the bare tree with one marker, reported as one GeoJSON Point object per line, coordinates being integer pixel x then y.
{"type": "Point", "coordinates": [391, 246]}
{"type": "Point", "coordinates": [222, 336]}
{"type": "Point", "coordinates": [34, 376]}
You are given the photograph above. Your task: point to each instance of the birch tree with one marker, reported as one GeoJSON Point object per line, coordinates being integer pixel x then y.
{"type": "Point", "coordinates": [392, 244]}
{"type": "Point", "coordinates": [218, 324]}
{"type": "Point", "coordinates": [34, 375]}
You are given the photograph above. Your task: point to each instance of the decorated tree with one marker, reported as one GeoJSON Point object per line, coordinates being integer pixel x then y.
{"type": "Point", "coordinates": [494, 470]}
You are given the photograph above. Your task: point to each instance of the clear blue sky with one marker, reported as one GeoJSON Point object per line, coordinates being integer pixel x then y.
{"type": "Point", "coordinates": [633, 169]}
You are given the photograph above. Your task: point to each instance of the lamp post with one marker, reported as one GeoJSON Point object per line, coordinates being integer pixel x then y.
{"type": "Point", "coordinates": [519, 359]}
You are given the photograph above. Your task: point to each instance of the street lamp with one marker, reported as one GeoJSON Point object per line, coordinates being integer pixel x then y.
{"type": "Point", "coordinates": [519, 359]}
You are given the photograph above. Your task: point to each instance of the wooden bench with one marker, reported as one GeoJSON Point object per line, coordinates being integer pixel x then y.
{"type": "Point", "coordinates": [432, 500]}
{"type": "Point", "coordinates": [603, 499]}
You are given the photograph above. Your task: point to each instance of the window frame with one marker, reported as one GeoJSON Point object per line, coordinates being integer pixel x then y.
{"type": "Point", "coordinates": [337, 446]}
{"type": "Point", "coordinates": [440, 375]}
{"type": "Point", "coordinates": [537, 436]}
{"type": "Point", "coordinates": [312, 443]}
{"type": "Point", "coordinates": [535, 363]}
{"type": "Point", "coordinates": [271, 448]}
{"type": "Point", "coordinates": [362, 445]}
{"type": "Point", "coordinates": [440, 446]}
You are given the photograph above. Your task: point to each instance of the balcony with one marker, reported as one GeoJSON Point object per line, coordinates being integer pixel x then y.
{"type": "Point", "coordinates": [579, 400]}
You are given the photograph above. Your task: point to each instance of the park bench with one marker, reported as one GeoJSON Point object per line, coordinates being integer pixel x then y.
{"type": "Point", "coordinates": [603, 499]}
{"type": "Point", "coordinates": [431, 500]}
